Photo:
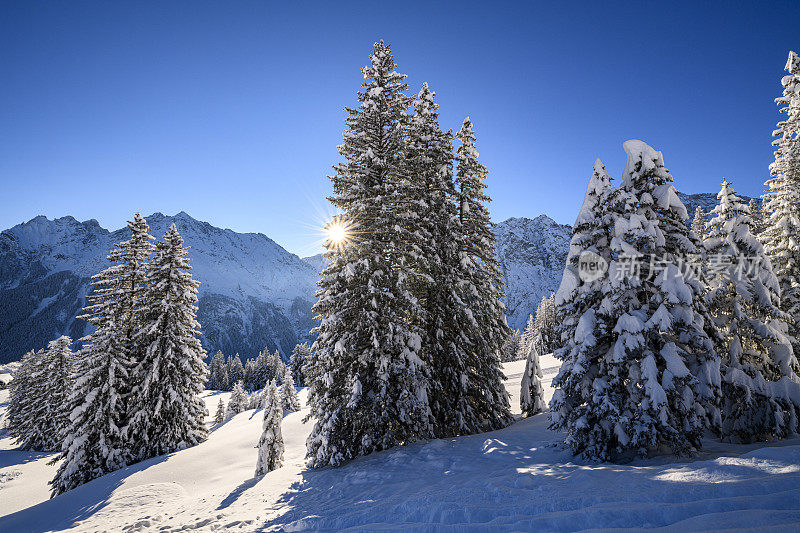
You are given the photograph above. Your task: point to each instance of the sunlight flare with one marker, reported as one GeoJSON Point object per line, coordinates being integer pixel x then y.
{"type": "Point", "coordinates": [337, 233]}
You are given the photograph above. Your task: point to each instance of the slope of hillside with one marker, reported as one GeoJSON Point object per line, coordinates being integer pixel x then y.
{"type": "Point", "coordinates": [516, 479]}
{"type": "Point", "coordinates": [253, 293]}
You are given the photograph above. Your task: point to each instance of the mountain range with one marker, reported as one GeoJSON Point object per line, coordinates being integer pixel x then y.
{"type": "Point", "coordinates": [253, 293]}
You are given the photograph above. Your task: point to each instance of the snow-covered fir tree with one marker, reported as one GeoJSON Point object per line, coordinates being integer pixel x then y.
{"type": "Point", "coordinates": [219, 417]}
{"type": "Point", "coordinates": [486, 330]}
{"type": "Point", "coordinates": [57, 381]}
{"type": "Point", "coordinates": [217, 373]}
{"type": "Point", "coordinates": [235, 370]}
{"type": "Point", "coordinates": [263, 395]}
{"type": "Point", "coordinates": [40, 433]}
{"type": "Point", "coordinates": [513, 348]}
{"type": "Point", "coordinates": [442, 284]}
{"type": "Point", "coordinates": [29, 405]}
{"type": "Point", "coordinates": [532, 392]}
{"type": "Point", "coordinates": [698, 336]}
{"type": "Point", "coordinates": [264, 368]}
{"type": "Point", "coordinates": [545, 325]}
{"type": "Point", "coordinates": [309, 368]}
{"type": "Point", "coordinates": [270, 445]}
{"type": "Point", "coordinates": [639, 368]}
{"type": "Point", "coordinates": [781, 234]}
{"type": "Point", "coordinates": [254, 400]}
{"type": "Point", "coordinates": [664, 373]}
{"type": "Point", "coordinates": [132, 257]}
{"type": "Point", "coordinates": [756, 217]}
{"type": "Point", "coordinates": [165, 410]}
{"type": "Point", "coordinates": [699, 223]}
{"type": "Point", "coordinates": [267, 366]}
{"type": "Point", "coordinates": [527, 338]}
{"type": "Point", "coordinates": [15, 418]}
{"type": "Point", "coordinates": [370, 383]}
{"type": "Point", "coordinates": [238, 402]}
{"type": "Point", "coordinates": [94, 443]}
{"type": "Point", "coordinates": [760, 368]}
{"type": "Point", "coordinates": [582, 403]}
{"type": "Point", "coordinates": [289, 399]}
{"type": "Point", "coordinates": [250, 378]}
{"type": "Point", "coordinates": [300, 354]}
{"type": "Point", "coordinates": [278, 367]}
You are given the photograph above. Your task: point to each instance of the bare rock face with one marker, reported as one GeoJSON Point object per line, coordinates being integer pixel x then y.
{"type": "Point", "coordinates": [532, 255]}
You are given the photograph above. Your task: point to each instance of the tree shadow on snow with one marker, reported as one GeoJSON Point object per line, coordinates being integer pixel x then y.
{"type": "Point", "coordinates": [68, 509]}
{"type": "Point", "coordinates": [20, 457]}
{"type": "Point", "coordinates": [238, 491]}
{"type": "Point", "coordinates": [522, 478]}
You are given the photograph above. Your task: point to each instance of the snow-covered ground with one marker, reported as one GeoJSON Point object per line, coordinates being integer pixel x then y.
{"type": "Point", "coordinates": [515, 479]}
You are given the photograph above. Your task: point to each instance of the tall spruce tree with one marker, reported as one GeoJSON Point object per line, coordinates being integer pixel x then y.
{"type": "Point", "coordinates": [267, 365]}
{"type": "Point", "coordinates": [756, 217]}
{"type": "Point", "coordinates": [29, 405]}
{"type": "Point", "coordinates": [300, 355]}
{"type": "Point", "coordinates": [38, 411]}
{"type": "Point", "coordinates": [132, 257]}
{"type": "Point", "coordinates": [781, 236]}
{"type": "Point", "coordinates": [38, 436]}
{"type": "Point", "coordinates": [582, 404]}
{"type": "Point", "coordinates": [440, 280]}
{"type": "Point", "coordinates": [219, 416]}
{"type": "Point", "coordinates": [527, 338]}
{"type": "Point", "coordinates": [238, 402]}
{"type": "Point", "coordinates": [270, 444]}
{"type": "Point", "coordinates": [58, 381]}
{"type": "Point", "coordinates": [513, 348]}
{"type": "Point", "coordinates": [217, 373]}
{"type": "Point", "coordinates": [639, 369]}
{"type": "Point", "coordinates": [250, 375]}
{"type": "Point", "coordinates": [370, 383]}
{"type": "Point", "coordinates": [664, 371]}
{"type": "Point", "coordinates": [166, 410]}
{"type": "Point", "coordinates": [485, 330]}
{"type": "Point", "coordinates": [289, 399]}
{"type": "Point", "coordinates": [277, 367]}
{"type": "Point", "coordinates": [760, 368]}
{"type": "Point", "coordinates": [16, 417]}
{"type": "Point", "coordinates": [532, 394]}
{"type": "Point", "coordinates": [94, 443]}
{"type": "Point", "coordinates": [545, 324]}
{"type": "Point", "coordinates": [235, 370]}
{"type": "Point", "coordinates": [697, 336]}
{"type": "Point", "coordinates": [699, 223]}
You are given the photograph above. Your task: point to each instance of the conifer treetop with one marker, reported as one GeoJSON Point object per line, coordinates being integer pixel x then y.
{"type": "Point", "coordinates": [792, 63]}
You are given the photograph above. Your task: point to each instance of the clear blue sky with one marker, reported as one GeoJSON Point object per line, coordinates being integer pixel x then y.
{"type": "Point", "coordinates": [232, 111]}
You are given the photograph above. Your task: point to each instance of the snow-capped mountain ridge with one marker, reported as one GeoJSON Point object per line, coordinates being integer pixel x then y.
{"type": "Point", "coordinates": [532, 254]}
{"type": "Point", "coordinates": [706, 200]}
{"type": "Point", "coordinates": [253, 293]}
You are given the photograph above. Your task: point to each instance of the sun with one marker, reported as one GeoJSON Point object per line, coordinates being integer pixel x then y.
{"type": "Point", "coordinates": [337, 233]}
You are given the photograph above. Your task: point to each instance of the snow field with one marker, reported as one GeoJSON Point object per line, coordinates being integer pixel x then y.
{"type": "Point", "coordinates": [516, 479]}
